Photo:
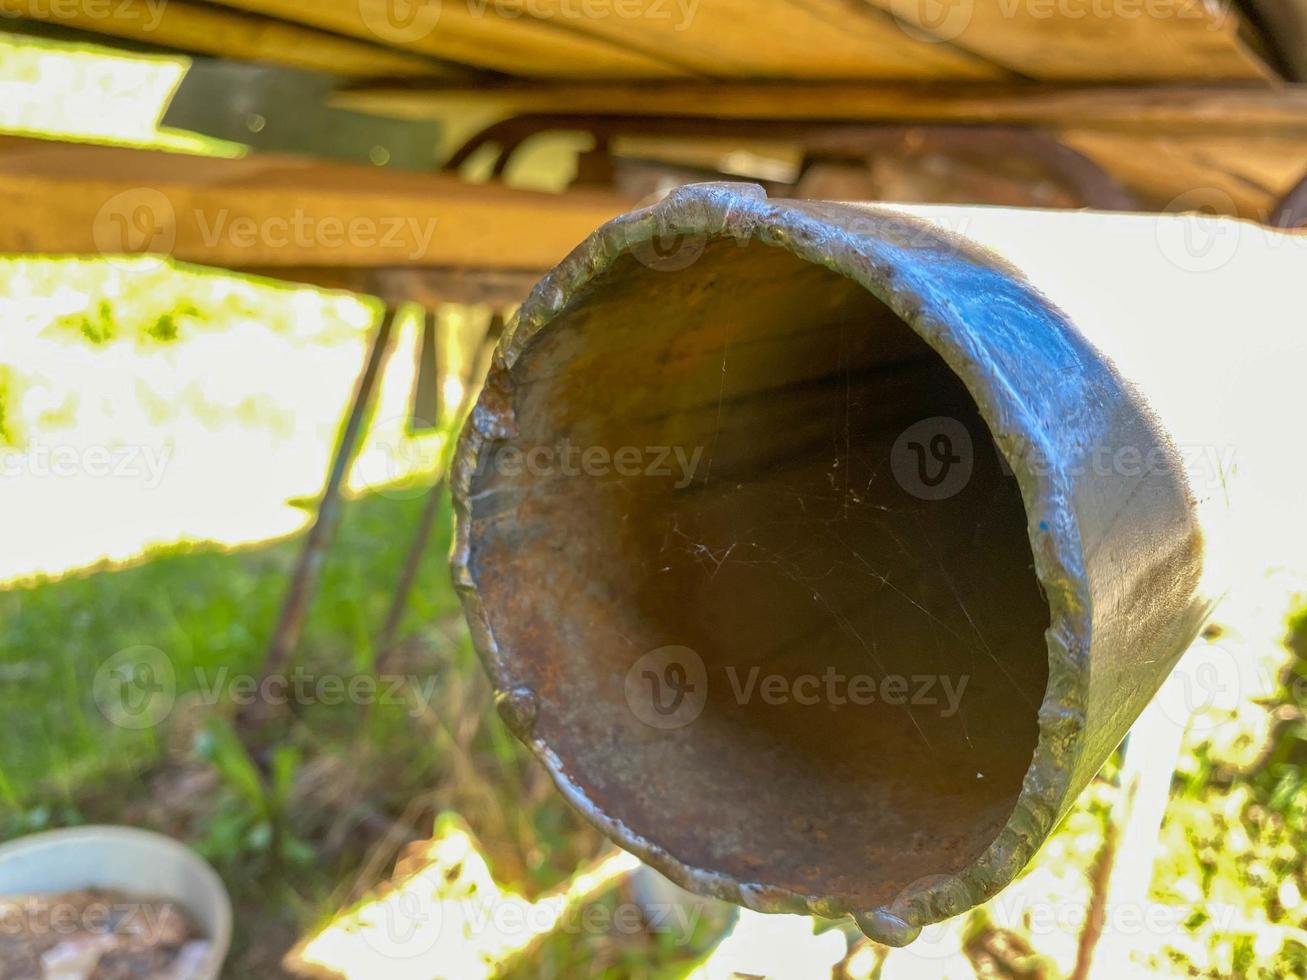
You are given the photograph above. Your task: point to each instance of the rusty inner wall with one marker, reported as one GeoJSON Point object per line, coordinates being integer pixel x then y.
{"type": "Point", "coordinates": [714, 458]}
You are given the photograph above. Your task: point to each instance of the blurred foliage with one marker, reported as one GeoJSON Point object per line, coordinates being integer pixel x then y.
{"type": "Point", "coordinates": [8, 384]}
{"type": "Point", "coordinates": [1234, 846]}
{"type": "Point", "coordinates": [94, 93]}
{"type": "Point", "coordinates": [149, 301]}
{"type": "Point", "coordinates": [250, 820]}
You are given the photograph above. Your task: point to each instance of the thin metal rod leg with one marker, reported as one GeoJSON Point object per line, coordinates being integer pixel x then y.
{"type": "Point", "coordinates": [427, 392]}
{"type": "Point", "coordinates": [430, 511]}
{"type": "Point", "coordinates": [408, 577]}
{"type": "Point", "coordinates": [308, 567]}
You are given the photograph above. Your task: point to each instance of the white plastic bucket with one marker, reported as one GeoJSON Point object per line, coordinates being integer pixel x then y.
{"type": "Point", "coordinates": [124, 859]}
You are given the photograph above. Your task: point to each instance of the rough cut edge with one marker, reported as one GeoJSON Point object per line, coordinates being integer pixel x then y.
{"type": "Point", "coordinates": [743, 212]}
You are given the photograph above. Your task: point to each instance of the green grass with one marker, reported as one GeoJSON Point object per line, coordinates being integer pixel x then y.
{"type": "Point", "coordinates": [207, 610]}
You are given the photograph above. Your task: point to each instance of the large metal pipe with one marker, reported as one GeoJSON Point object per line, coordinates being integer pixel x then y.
{"type": "Point", "coordinates": [748, 475]}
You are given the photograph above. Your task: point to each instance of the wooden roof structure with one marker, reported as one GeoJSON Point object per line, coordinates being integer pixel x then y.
{"type": "Point", "coordinates": [880, 40]}
{"type": "Point", "coordinates": [1168, 97]}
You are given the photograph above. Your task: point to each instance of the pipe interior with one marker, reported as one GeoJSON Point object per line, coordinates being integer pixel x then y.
{"type": "Point", "coordinates": [793, 548]}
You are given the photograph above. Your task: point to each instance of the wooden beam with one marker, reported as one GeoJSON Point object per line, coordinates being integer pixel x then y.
{"type": "Point", "coordinates": [1093, 40]}
{"type": "Point", "coordinates": [472, 32]}
{"type": "Point", "coordinates": [1062, 40]}
{"type": "Point", "coordinates": [193, 28]}
{"type": "Point", "coordinates": [279, 212]}
{"type": "Point", "coordinates": [427, 286]}
{"type": "Point", "coordinates": [1229, 109]}
{"type": "Point", "coordinates": [431, 287]}
{"type": "Point", "coordinates": [1245, 176]}
{"type": "Point", "coordinates": [776, 39]}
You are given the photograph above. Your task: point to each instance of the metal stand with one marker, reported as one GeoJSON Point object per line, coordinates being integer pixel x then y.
{"type": "Point", "coordinates": [308, 567]}
{"type": "Point", "coordinates": [430, 511]}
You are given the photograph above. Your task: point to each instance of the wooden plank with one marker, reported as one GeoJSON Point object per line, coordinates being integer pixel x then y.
{"type": "Point", "coordinates": [1116, 40]}
{"type": "Point", "coordinates": [428, 286]}
{"type": "Point", "coordinates": [1104, 40]}
{"type": "Point", "coordinates": [431, 287]}
{"type": "Point", "coordinates": [1284, 24]}
{"type": "Point", "coordinates": [1230, 109]}
{"type": "Point", "coordinates": [1244, 176]}
{"type": "Point", "coordinates": [233, 34]}
{"type": "Point", "coordinates": [774, 39]}
{"type": "Point", "coordinates": [1092, 40]}
{"type": "Point", "coordinates": [472, 32]}
{"type": "Point", "coordinates": [280, 212]}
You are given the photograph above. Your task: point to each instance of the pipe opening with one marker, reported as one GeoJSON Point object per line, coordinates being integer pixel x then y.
{"type": "Point", "coordinates": [745, 459]}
